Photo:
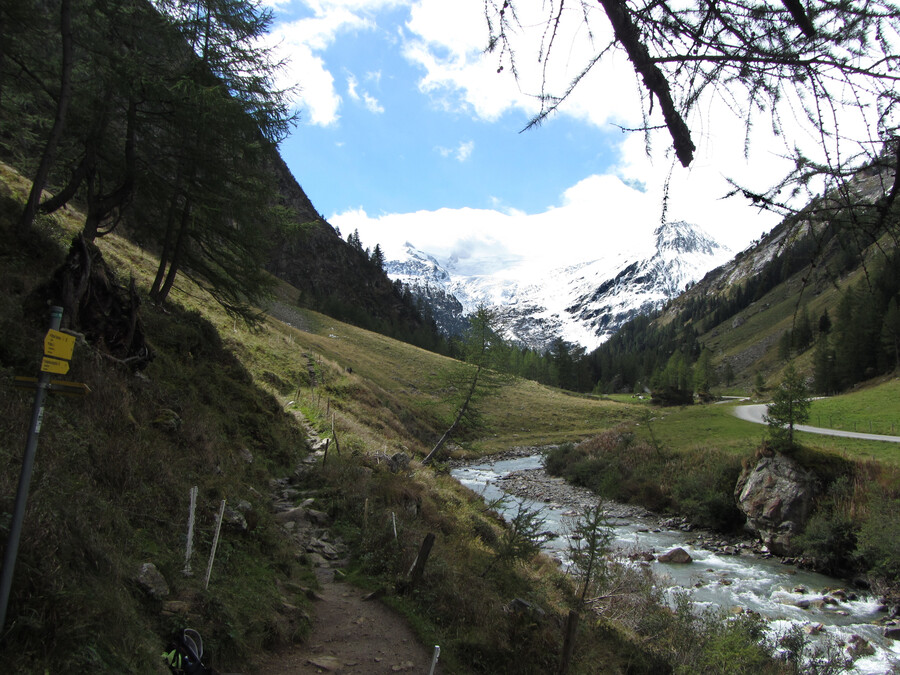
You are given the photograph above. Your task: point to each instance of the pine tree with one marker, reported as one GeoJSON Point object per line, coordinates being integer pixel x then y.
{"type": "Point", "coordinates": [704, 374]}
{"type": "Point", "coordinates": [823, 366]}
{"type": "Point", "coordinates": [890, 335]}
{"type": "Point", "coordinates": [785, 344]}
{"type": "Point", "coordinates": [377, 257]}
{"type": "Point", "coordinates": [789, 407]}
{"type": "Point", "coordinates": [729, 373]}
{"type": "Point", "coordinates": [221, 198]}
{"type": "Point", "coordinates": [824, 323]}
{"type": "Point", "coordinates": [803, 333]}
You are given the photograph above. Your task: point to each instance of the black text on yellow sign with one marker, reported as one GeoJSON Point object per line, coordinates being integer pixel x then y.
{"type": "Point", "coordinates": [58, 345]}
{"type": "Point", "coordinates": [57, 366]}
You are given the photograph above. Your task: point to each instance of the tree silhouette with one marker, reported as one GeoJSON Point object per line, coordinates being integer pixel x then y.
{"type": "Point", "coordinates": [827, 69]}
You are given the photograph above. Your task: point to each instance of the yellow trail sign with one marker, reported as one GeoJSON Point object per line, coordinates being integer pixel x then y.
{"type": "Point", "coordinates": [59, 345]}
{"type": "Point", "coordinates": [57, 366]}
{"type": "Point", "coordinates": [63, 387]}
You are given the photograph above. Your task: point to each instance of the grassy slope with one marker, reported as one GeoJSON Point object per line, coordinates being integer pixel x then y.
{"type": "Point", "coordinates": [111, 483]}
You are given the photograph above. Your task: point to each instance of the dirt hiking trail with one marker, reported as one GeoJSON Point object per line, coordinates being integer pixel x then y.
{"type": "Point", "coordinates": [351, 636]}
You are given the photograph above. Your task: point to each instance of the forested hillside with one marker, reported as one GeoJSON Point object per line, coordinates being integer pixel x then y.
{"type": "Point", "coordinates": [162, 121]}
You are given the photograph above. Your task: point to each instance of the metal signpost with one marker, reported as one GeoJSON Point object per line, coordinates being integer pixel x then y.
{"type": "Point", "coordinates": [58, 350]}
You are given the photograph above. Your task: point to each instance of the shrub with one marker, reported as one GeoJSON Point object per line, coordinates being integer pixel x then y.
{"type": "Point", "coordinates": [879, 543]}
{"type": "Point", "coordinates": [829, 538]}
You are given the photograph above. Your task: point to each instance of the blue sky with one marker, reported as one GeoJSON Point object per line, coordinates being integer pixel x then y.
{"type": "Point", "coordinates": [409, 133]}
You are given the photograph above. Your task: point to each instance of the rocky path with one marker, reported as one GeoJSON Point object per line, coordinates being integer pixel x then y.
{"type": "Point", "coordinates": [352, 632]}
{"type": "Point", "coordinates": [351, 635]}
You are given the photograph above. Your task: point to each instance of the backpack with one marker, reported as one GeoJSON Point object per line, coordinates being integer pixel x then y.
{"type": "Point", "coordinates": [184, 655]}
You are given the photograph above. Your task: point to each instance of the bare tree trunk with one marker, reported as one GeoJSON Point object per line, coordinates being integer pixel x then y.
{"type": "Point", "coordinates": [101, 206]}
{"type": "Point", "coordinates": [59, 122]}
{"type": "Point", "coordinates": [168, 239]}
{"type": "Point", "coordinates": [178, 249]}
{"type": "Point", "coordinates": [65, 195]}
{"type": "Point", "coordinates": [459, 415]}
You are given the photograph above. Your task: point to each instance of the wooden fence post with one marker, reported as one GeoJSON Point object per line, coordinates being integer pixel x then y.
{"type": "Point", "coordinates": [568, 642]}
{"type": "Point", "coordinates": [212, 554]}
{"type": "Point", "coordinates": [418, 566]}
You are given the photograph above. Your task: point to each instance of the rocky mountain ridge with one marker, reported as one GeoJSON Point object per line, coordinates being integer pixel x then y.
{"type": "Point", "coordinates": [584, 303]}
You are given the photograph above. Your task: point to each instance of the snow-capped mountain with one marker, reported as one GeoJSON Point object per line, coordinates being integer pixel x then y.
{"type": "Point", "coordinates": [583, 303]}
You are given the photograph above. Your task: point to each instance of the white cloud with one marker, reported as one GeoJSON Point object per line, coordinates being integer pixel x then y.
{"type": "Point", "coordinates": [372, 104]}
{"type": "Point", "coordinates": [447, 40]}
{"type": "Point", "coordinates": [461, 153]}
{"type": "Point", "coordinates": [301, 44]}
{"type": "Point", "coordinates": [464, 151]}
{"type": "Point", "coordinates": [597, 215]}
{"type": "Point", "coordinates": [351, 87]}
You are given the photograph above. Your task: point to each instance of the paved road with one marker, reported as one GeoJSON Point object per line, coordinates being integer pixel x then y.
{"type": "Point", "coordinates": [756, 413]}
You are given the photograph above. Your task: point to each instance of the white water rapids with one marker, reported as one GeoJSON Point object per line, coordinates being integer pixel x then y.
{"type": "Point", "coordinates": [750, 581]}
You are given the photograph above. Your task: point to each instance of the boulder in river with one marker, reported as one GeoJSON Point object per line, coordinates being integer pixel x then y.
{"type": "Point", "coordinates": [892, 632]}
{"type": "Point", "coordinates": [677, 556]}
{"type": "Point", "coordinates": [776, 495]}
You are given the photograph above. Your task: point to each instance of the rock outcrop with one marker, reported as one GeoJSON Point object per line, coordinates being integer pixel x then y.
{"type": "Point", "coordinates": [776, 495]}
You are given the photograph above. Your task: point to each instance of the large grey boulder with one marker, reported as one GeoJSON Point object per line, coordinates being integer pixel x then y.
{"type": "Point", "coordinates": [776, 495]}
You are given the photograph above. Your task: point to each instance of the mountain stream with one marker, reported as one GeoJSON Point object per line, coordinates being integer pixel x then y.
{"type": "Point", "coordinates": [725, 573]}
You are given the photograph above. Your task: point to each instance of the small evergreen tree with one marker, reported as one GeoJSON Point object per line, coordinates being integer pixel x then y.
{"type": "Point", "coordinates": [789, 407]}
{"type": "Point", "coordinates": [377, 257]}
{"type": "Point", "coordinates": [354, 240]}
{"type": "Point", "coordinates": [824, 323]}
{"type": "Point", "coordinates": [803, 333]}
{"type": "Point", "coordinates": [785, 343]}
{"type": "Point", "coordinates": [824, 381]}
{"type": "Point", "coordinates": [728, 374]}
{"type": "Point", "coordinates": [704, 374]}
{"type": "Point", "coordinates": [759, 383]}
{"type": "Point", "coordinates": [589, 543]}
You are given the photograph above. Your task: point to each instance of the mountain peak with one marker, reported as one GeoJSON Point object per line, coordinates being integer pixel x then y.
{"type": "Point", "coordinates": [683, 237]}
{"type": "Point", "coordinates": [583, 303]}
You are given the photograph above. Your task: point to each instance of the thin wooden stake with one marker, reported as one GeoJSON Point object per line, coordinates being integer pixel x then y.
{"type": "Point", "coordinates": [366, 515]}
{"type": "Point", "coordinates": [212, 554]}
{"type": "Point", "coordinates": [394, 522]}
{"type": "Point", "coordinates": [337, 446]}
{"type": "Point", "coordinates": [190, 537]}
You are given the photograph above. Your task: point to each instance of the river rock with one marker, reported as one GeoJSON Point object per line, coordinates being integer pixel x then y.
{"type": "Point", "coordinates": [859, 646]}
{"type": "Point", "coordinates": [676, 556]}
{"type": "Point", "coordinates": [892, 632]}
{"type": "Point", "coordinates": [776, 496]}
